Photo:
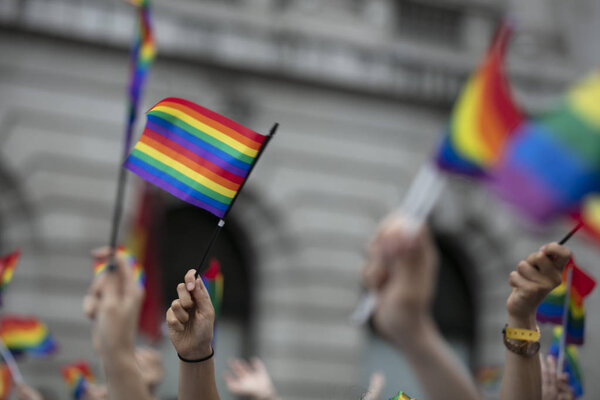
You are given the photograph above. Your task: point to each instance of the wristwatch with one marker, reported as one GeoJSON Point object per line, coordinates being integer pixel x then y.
{"type": "Point", "coordinates": [523, 342]}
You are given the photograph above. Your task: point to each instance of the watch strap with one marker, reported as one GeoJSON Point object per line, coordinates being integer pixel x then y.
{"type": "Point", "coordinates": [527, 335]}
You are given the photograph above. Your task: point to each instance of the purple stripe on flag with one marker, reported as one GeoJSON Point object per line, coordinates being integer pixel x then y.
{"type": "Point", "coordinates": [196, 149]}
{"type": "Point", "coordinates": [171, 189]}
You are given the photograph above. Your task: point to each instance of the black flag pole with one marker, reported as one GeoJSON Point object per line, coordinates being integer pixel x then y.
{"type": "Point", "coordinates": [221, 223]}
{"type": "Point", "coordinates": [570, 234]}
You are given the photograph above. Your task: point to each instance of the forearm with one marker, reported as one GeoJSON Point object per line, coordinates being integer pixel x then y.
{"type": "Point", "coordinates": [440, 373]}
{"type": "Point", "coordinates": [197, 381]}
{"type": "Point", "coordinates": [522, 375]}
{"type": "Point", "coordinates": [123, 377]}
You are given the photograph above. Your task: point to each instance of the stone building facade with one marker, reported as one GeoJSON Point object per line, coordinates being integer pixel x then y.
{"type": "Point", "coordinates": [361, 90]}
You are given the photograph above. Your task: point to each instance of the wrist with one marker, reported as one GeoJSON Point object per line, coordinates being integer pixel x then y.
{"type": "Point", "coordinates": [197, 353]}
{"type": "Point", "coordinates": [522, 322]}
{"type": "Point", "coordinates": [416, 334]}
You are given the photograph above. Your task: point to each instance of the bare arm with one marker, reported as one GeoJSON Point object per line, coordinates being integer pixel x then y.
{"type": "Point", "coordinates": [403, 269]}
{"type": "Point", "coordinates": [190, 320]}
{"type": "Point", "coordinates": [533, 279]}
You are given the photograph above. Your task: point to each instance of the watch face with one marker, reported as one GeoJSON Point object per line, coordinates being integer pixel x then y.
{"type": "Point", "coordinates": [532, 349]}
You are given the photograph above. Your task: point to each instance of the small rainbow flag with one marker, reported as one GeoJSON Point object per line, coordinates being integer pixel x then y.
{"type": "Point", "coordinates": [589, 216]}
{"type": "Point", "coordinates": [26, 335]}
{"type": "Point", "coordinates": [483, 118]}
{"type": "Point", "coordinates": [77, 376]}
{"type": "Point", "coordinates": [8, 263]}
{"type": "Point", "coordinates": [553, 161]}
{"type": "Point", "coordinates": [571, 362]}
{"type": "Point", "coordinates": [6, 382]}
{"type": "Point", "coordinates": [213, 280]}
{"type": "Point", "coordinates": [195, 154]}
{"type": "Point", "coordinates": [553, 307]}
{"type": "Point", "coordinates": [138, 270]}
{"type": "Point", "coordinates": [402, 396]}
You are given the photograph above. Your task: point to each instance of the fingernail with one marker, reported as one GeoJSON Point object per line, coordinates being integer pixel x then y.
{"type": "Point", "coordinates": [190, 286]}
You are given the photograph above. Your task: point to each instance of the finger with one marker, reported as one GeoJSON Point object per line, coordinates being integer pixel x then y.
{"type": "Point", "coordinates": [101, 253]}
{"type": "Point", "coordinates": [239, 367]}
{"type": "Point", "coordinates": [528, 271]}
{"type": "Point", "coordinates": [560, 255]}
{"type": "Point", "coordinates": [543, 263]}
{"type": "Point", "coordinates": [184, 297]}
{"type": "Point", "coordinates": [517, 281]}
{"type": "Point", "coordinates": [180, 313]}
{"type": "Point", "coordinates": [190, 280]}
{"type": "Point", "coordinates": [257, 365]}
{"type": "Point", "coordinates": [200, 294]}
{"type": "Point", "coordinates": [173, 322]}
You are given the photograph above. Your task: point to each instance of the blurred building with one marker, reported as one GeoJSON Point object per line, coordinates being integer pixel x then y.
{"type": "Point", "coordinates": [361, 90]}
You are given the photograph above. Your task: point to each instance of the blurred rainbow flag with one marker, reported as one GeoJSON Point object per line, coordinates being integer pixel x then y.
{"type": "Point", "coordinates": [138, 271]}
{"type": "Point", "coordinates": [6, 382]}
{"type": "Point", "coordinates": [484, 116]}
{"type": "Point", "coordinates": [489, 377]}
{"type": "Point", "coordinates": [401, 396]}
{"type": "Point", "coordinates": [571, 361]}
{"type": "Point", "coordinates": [552, 162]}
{"type": "Point", "coordinates": [214, 282]}
{"type": "Point", "coordinates": [77, 376]}
{"type": "Point", "coordinates": [8, 263]}
{"type": "Point", "coordinates": [553, 307]}
{"type": "Point", "coordinates": [589, 216]}
{"type": "Point", "coordinates": [26, 335]}
{"type": "Point", "coordinates": [195, 154]}
{"type": "Point", "coordinates": [143, 53]}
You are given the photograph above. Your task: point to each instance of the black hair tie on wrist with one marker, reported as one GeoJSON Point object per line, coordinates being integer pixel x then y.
{"type": "Point", "coordinates": [212, 353]}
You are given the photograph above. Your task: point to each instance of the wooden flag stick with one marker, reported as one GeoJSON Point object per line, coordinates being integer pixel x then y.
{"type": "Point", "coordinates": [11, 363]}
{"type": "Point", "coordinates": [221, 223]}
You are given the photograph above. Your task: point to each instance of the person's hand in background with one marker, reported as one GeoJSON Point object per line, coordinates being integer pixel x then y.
{"type": "Point", "coordinates": [151, 365]}
{"type": "Point", "coordinates": [554, 386]}
{"type": "Point", "coordinates": [26, 392]}
{"type": "Point", "coordinates": [376, 384]}
{"type": "Point", "coordinates": [250, 379]}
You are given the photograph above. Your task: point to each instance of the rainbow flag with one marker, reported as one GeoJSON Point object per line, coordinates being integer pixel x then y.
{"type": "Point", "coordinates": [8, 263]}
{"type": "Point", "coordinates": [26, 335]}
{"type": "Point", "coordinates": [553, 306]}
{"type": "Point", "coordinates": [195, 154]}
{"type": "Point", "coordinates": [213, 280]}
{"type": "Point", "coordinates": [401, 396]}
{"type": "Point", "coordinates": [138, 271]}
{"type": "Point", "coordinates": [589, 215]}
{"type": "Point", "coordinates": [6, 382]}
{"type": "Point", "coordinates": [77, 376]}
{"type": "Point", "coordinates": [489, 377]}
{"type": "Point", "coordinates": [143, 53]}
{"type": "Point", "coordinates": [553, 161]}
{"type": "Point", "coordinates": [483, 118]}
{"type": "Point", "coordinates": [571, 361]}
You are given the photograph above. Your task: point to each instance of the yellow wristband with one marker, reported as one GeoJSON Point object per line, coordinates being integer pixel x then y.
{"type": "Point", "coordinates": [523, 334]}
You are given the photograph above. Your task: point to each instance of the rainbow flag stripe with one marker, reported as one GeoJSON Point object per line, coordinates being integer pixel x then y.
{"type": "Point", "coordinates": [8, 263]}
{"type": "Point", "coordinates": [195, 154]}
{"type": "Point", "coordinates": [552, 308]}
{"type": "Point", "coordinates": [6, 382]}
{"type": "Point", "coordinates": [589, 216]}
{"type": "Point", "coordinates": [143, 53]}
{"type": "Point", "coordinates": [214, 282]}
{"type": "Point", "coordinates": [483, 117]}
{"type": "Point", "coordinates": [401, 396]}
{"type": "Point", "coordinates": [138, 270]}
{"type": "Point", "coordinates": [571, 362]}
{"type": "Point", "coordinates": [553, 161]}
{"type": "Point", "coordinates": [26, 335]}
{"type": "Point", "coordinates": [77, 376]}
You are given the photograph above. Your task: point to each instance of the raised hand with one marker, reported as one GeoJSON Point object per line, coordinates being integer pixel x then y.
{"type": "Point", "coordinates": [376, 384]}
{"type": "Point", "coordinates": [554, 386]}
{"type": "Point", "coordinates": [534, 278]}
{"type": "Point", "coordinates": [191, 318]}
{"type": "Point", "coordinates": [402, 269]}
{"type": "Point", "coordinates": [250, 379]}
